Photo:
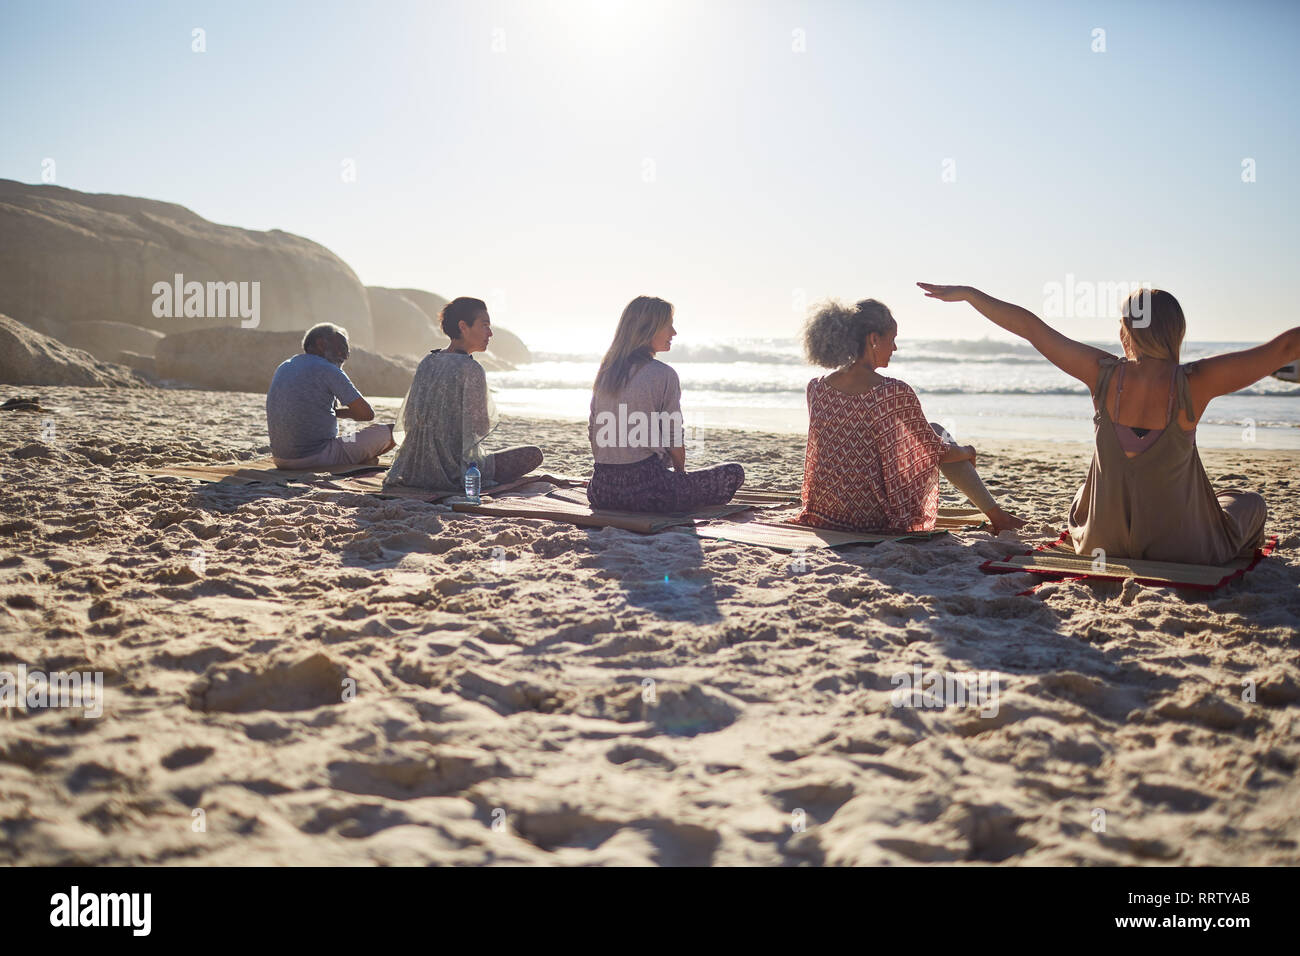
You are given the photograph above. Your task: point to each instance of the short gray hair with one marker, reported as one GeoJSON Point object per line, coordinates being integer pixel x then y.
{"type": "Point", "coordinates": [318, 333]}
{"type": "Point", "coordinates": [836, 335]}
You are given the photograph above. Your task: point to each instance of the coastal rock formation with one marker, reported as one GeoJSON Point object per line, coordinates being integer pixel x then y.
{"type": "Point", "coordinates": [507, 347]}
{"type": "Point", "coordinates": [428, 302]}
{"type": "Point", "coordinates": [401, 327]}
{"type": "Point", "coordinates": [243, 360]}
{"type": "Point", "coordinates": [29, 358]}
{"type": "Point", "coordinates": [83, 257]}
{"type": "Point", "coordinates": [146, 365]}
{"type": "Point", "coordinates": [113, 274]}
{"type": "Point", "coordinates": [105, 340]}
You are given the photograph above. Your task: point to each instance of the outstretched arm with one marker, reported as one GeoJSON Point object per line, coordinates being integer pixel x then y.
{"type": "Point", "coordinates": [1073, 358]}
{"type": "Point", "coordinates": [1222, 374]}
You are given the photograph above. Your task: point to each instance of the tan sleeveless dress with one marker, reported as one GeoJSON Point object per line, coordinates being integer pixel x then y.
{"type": "Point", "coordinates": [1159, 506]}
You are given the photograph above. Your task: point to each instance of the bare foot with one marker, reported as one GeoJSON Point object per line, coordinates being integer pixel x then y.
{"type": "Point", "coordinates": [1002, 521]}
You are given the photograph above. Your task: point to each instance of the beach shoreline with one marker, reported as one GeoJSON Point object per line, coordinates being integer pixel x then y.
{"type": "Point", "coordinates": [326, 678]}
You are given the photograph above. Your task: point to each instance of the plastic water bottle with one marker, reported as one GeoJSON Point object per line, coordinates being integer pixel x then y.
{"type": "Point", "coordinates": [473, 484]}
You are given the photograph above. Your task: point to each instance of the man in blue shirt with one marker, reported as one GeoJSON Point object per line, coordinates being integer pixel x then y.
{"type": "Point", "coordinates": [301, 416]}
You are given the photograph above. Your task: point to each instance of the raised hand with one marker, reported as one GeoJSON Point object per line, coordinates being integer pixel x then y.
{"type": "Point", "coordinates": [946, 293]}
{"type": "Point", "coordinates": [1078, 359]}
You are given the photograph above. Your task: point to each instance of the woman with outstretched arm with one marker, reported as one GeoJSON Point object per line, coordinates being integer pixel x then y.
{"type": "Point", "coordinates": [1147, 494]}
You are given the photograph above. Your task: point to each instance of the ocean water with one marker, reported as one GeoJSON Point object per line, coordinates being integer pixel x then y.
{"type": "Point", "coordinates": [981, 389]}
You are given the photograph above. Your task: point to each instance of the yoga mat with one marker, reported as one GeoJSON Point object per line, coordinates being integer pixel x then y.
{"type": "Point", "coordinates": [531, 485]}
{"type": "Point", "coordinates": [756, 498]}
{"type": "Point", "coordinates": [1058, 560]}
{"type": "Point", "coordinates": [765, 497]}
{"type": "Point", "coordinates": [374, 485]}
{"type": "Point", "coordinates": [960, 519]}
{"type": "Point", "coordinates": [785, 536]}
{"type": "Point", "coordinates": [259, 471]}
{"type": "Point", "coordinates": [553, 508]}
{"type": "Point", "coordinates": [793, 537]}
{"type": "Point", "coordinates": [354, 479]}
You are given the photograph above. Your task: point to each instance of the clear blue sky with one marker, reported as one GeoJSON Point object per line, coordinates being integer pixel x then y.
{"type": "Point", "coordinates": [519, 174]}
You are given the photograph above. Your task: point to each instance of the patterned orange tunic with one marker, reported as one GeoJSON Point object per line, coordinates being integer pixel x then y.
{"type": "Point", "coordinates": [872, 462]}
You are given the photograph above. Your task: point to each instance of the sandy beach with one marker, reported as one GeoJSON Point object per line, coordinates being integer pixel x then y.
{"type": "Point", "coordinates": [297, 676]}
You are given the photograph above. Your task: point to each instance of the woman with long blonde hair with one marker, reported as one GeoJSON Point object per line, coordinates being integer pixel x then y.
{"type": "Point", "coordinates": [635, 428]}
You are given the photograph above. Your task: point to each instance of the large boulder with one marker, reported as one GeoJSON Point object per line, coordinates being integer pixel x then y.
{"type": "Point", "coordinates": [29, 358]}
{"type": "Point", "coordinates": [83, 257]}
{"type": "Point", "coordinates": [508, 348]}
{"type": "Point", "coordinates": [401, 327]}
{"type": "Point", "coordinates": [243, 360]}
{"type": "Point", "coordinates": [429, 303]}
{"type": "Point", "coordinates": [146, 365]}
{"type": "Point", "coordinates": [107, 340]}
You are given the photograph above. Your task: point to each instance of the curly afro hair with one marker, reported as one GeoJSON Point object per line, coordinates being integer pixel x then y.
{"type": "Point", "coordinates": [836, 335]}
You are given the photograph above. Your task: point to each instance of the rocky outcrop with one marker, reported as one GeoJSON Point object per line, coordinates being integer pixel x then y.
{"type": "Point", "coordinates": [505, 346]}
{"type": "Point", "coordinates": [105, 340]}
{"type": "Point", "coordinates": [429, 303]}
{"type": "Point", "coordinates": [76, 257]}
{"type": "Point", "coordinates": [243, 360]}
{"type": "Point", "coordinates": [401, 327]}
{"type": "Point", "coordinates": [508, 347]}
{"type": "Point", "coordinates": [145, 365]}
{"type": "Point", "coordinates": [100, 272]}
{"type": "Point", "coordinates": [29, 358]}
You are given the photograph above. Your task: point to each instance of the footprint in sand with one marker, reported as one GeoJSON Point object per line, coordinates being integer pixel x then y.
{"type": "Point", "coordinates": [304, 684]}
{"type": "Point", "coordinates": [687, 710]}
{"type": "Point", "coordinates": [635, 754]}
{"type": "Point", "coordinates": [187, 757]}
{"type": "Point", "coordinates": [405, 777]}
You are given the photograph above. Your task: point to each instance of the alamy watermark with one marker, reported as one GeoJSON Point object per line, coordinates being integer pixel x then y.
{"type": "Point", "coordinates": [940, 689]}
{"type": "Point", "coordinates": [1085, 299]}
{"type": "Point", "coordinates": [75, 908]}
{"type": "Point", "coordinates": [210, 300]}
{"type": "Point", "coordinates": [638, 429]}
{"type": "Point", "coordinates": [23, 689]}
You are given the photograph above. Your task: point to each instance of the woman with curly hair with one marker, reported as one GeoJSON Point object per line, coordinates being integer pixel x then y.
{"type": "Point", "coordinates": [873, 460]}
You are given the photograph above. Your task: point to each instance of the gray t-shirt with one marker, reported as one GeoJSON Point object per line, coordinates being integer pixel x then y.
{"type": "Point", "coordinates": [300, 405]}
{"type": "Point", "coordinates": [643, 419]}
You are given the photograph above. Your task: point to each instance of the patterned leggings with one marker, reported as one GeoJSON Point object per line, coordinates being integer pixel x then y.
{"type": "Point", "coordinates": [652, 486]}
